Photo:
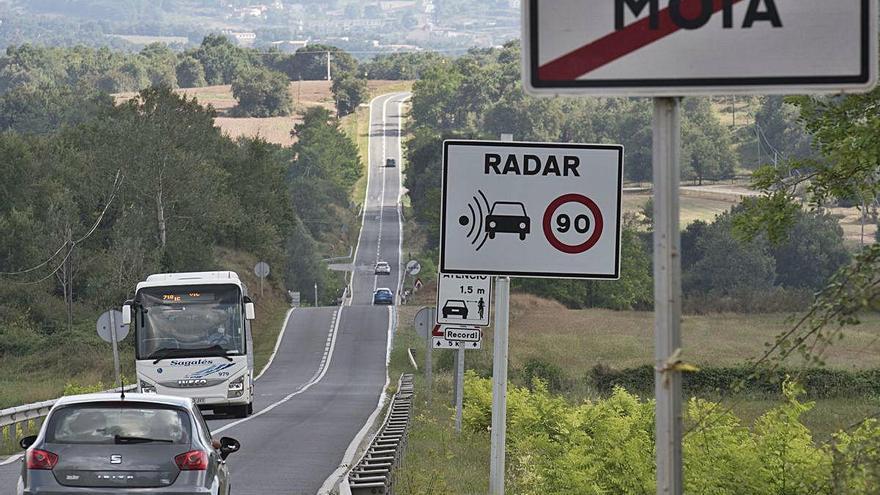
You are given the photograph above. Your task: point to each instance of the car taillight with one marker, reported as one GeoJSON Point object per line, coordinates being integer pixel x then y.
{"type": "Point", "coordinates": [41, 459]}
{"type": "Point", "coordinates": [194, 460]}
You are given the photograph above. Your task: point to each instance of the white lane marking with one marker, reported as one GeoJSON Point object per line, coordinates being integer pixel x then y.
{"type": "Point", "coordinates": [325, 365]}
{"type": "Point", "coordinates": [337, 476]}
{"type": "Point", "coordinates": [277, 344]}
{"type": "Point", "coordinates": [366, 198]}
{"type": "Point", "coordinates": [350, 452]}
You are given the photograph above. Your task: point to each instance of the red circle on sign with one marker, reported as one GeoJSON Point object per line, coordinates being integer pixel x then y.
{"type": "Point", "coordinates": [597, 220]}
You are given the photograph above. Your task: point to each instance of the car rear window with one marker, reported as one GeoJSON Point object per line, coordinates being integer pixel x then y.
{"type": "Point", "coordinates": [110, 424]}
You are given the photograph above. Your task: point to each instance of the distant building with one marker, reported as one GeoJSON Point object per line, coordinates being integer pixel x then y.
{"type": "Point", "coordinates": [243, 38]}
{"type": "Point", "coordinates": [290, 46]}
{"type": "Point", "coordinates": [391, 5]}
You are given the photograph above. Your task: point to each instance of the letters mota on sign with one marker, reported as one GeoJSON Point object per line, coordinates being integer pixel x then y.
{"type": "Point", "coordinates": [691, 17]}
{"type": "Point", "coordinates": [531, 165]}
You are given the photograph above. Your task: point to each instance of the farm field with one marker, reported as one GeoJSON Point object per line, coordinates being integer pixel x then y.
{"type": "Point", "coordinates": [304, 94]}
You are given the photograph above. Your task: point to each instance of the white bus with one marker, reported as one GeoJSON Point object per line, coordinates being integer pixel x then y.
{"type": "Point", "coordinates": [193, 339]}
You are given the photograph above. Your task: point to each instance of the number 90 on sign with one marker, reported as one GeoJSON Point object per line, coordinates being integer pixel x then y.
{"type": "Point", "coordinates": [573, 223]}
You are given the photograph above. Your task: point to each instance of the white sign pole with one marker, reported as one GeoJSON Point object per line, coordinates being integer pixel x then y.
{"type": "Point", "coordinates": [429, 348]}
{"type": "Point", "coordinates": [115, 346]}
{"type": "Point", "coordinates": [667, 294]}
{"type": "Point", "coordinates": [459, 388]}
{"type": "Point", "coordinates": [499, 386]}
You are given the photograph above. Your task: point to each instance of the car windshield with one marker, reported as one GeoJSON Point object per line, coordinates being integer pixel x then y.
{"type": "Point", "coordinates": [118, 424]}
{"type": "Point", "coordinates": [455, 304]}
{"type": "Point", "coordinates": [188, 321]}
{"type": "Point", "coordinates": [508, 209]}
{"type": "Point", "coordinates": [382, 264]}
{"type": "Point", "coordinates": [383, 292]}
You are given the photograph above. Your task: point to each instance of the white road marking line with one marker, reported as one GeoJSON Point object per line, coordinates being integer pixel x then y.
{"type": "Point", "coordinates": [328, 357]}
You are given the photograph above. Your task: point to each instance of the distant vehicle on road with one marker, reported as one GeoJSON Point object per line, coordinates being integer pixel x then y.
{"type": "Point", "coordinates": [142, 443]}
{"type": "Point", "coordinates": [455, 307]}
{"type": "Point", "coordinates": [383, 296]}
{"type": "Point", "coordinates": [390, 162]}
{"type": "Point", "coordinates": [383, 268]}
{"type": "Point", "coordinates": [509, 217]}
{"type": "Point", "coordinates": [193, 339]}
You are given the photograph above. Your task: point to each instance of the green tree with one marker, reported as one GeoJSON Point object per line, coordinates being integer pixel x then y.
{"type": "Point", "coordinates": [221, 59]}
{"type": "Point", "coordinates": [190, 73]}
{"type": "Point", "coordinates": [349, 92]}
{"type": "Point", "coordinates": [262, 93]}
{"type": "Point", "coordinates": [724, 265]}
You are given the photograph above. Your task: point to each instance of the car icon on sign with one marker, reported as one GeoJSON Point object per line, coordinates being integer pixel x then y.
{"type": "Point", "coordinates": [509, 217]}
{"type": "Point", "coordinates": [455, 307]}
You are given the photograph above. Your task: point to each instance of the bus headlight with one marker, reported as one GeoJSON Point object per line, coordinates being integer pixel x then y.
{"type": "Point", "coordinates": [146, 388]}
{"type": "Point", "coordinates": [236, 388]}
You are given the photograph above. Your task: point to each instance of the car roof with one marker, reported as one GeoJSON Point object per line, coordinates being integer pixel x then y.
{"type": "Point", "coordinates": [380, 289]}
{"type": "Point", "coordinates": [168, 400]}
{"type": "Point", "coordinates": [455, 300]}
{"type": "Point", "coordinates": [381, 262]}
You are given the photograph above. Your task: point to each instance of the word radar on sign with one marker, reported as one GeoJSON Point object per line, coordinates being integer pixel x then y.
{"type": "Point", "coordinates": [694, 14]}
{"type": "Point", "coordinates": [531, 165]}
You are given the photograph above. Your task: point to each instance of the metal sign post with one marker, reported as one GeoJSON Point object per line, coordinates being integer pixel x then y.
{"type": "Point", "coordinates": [261, 270]}
{"type": "Point", "coordinates": [110, 328]}
{"type": "Point", "coordinates": [459, 388]}
{"type": "Point", "coordinates": [429, 360]}
{"type": "Point", "coordinates": [499, 386]}
{"type": "Point", "coordinates": [667, 293]}
{"type": "Point", "coordinates": [115, 343]}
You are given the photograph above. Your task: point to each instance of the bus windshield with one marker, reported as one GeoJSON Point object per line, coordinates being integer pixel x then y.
{"type": "Point", "coordinates": [189, 321]}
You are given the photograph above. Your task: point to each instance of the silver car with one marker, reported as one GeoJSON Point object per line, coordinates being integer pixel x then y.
{"type": "Point", "coordinates": [105, 444]}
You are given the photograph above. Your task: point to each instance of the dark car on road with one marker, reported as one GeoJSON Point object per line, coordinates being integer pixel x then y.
{"type": "Point", "coordinates": [383, 296]}
{"type": "Point", "coordinates": [390, 162]}
{"type": "Point", "coordinates": [508, 217]}
{"type": "Point", "coordinates": [102, 444]}
{"type": "Point", "coordinates": [455, 307]}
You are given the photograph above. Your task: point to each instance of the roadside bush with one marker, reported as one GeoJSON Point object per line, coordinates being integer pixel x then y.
{"type": "Point", "coordinates": [607, 446]}
{"type": "Point", "coordinates": [818, 383]}
{"type": "Point", "coordinates": [773, 300]}
{"type": "Point", "coordinates": [537, 369]}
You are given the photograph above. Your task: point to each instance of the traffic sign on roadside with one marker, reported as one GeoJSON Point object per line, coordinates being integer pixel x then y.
{"type": "Point", "coordinates": [458, 337]}
{"type": "Point", "coordinates": [464, 299]}
{"type": "Point", "coordinates": [676, 48]}
{"type": "Point", "coordinates": [531, 209]}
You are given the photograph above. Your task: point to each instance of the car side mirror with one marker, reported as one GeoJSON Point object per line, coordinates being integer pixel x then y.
{"type": "Point", "coordinates": [126, 313]}
{"type": "Point", "coordinates": [27, 441]}
{"type": "Point", "coordinates": [227, 446]}
{"type": "Point", "coordinates": [249, 312]}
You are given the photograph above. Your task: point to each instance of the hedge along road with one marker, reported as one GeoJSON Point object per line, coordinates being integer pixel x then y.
{"type": "Point", "coordinates": [330, 368]}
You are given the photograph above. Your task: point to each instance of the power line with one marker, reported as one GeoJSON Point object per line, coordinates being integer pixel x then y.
{"type": "Point", "coordinates": [117, 182]}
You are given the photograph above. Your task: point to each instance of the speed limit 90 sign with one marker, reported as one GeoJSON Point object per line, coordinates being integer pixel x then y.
{"type": "Point", "coordinates": [531, 209]}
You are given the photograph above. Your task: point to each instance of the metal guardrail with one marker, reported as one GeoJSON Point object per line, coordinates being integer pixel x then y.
{"type": "Point", "coordinates": [374, 473]}
{"type": "Point", "coordinates": [11, 417]}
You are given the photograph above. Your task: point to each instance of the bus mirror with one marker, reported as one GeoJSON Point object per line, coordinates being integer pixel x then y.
{"type": "Point", "coordinates": [126, 314]}
{"type": "Point", "coordinates": [249, 312]}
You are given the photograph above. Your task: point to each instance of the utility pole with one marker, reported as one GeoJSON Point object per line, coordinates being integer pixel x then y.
{"type": "Point", "coordinates": [328, 65]}
{"type": "Point", "coordinates": [316, 294]}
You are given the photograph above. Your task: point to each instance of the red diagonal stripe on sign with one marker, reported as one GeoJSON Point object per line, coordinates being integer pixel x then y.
{"type": "Point", "coordinates": [619, 43]}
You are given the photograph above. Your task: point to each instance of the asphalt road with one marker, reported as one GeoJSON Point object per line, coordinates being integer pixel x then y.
{"type": "Point", "coordinates": [328, 374]}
